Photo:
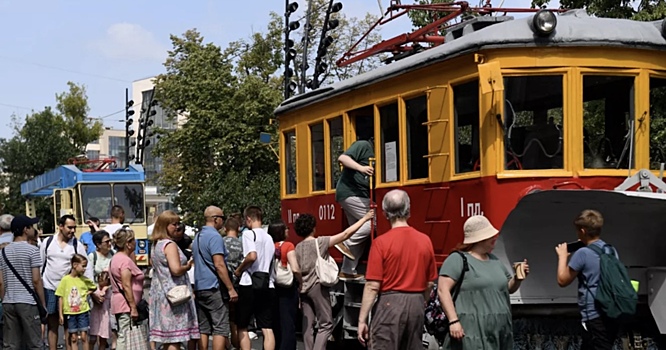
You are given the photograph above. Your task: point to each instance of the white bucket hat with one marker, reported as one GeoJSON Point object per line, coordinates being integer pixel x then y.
{"type": "Point", "coordinates": [477, 228]}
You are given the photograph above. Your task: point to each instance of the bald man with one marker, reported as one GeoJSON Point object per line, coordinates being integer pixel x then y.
{"type": "Point", "coordinates": [212, 284]}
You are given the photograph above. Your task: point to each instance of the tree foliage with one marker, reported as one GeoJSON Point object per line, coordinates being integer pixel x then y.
{"type": "Point", "coordinates": [226, 108]}
{"type": "Point", "coordinates": [349, 31]}
{"type": "Point", "coordinates": [44, 141]}
{"type": "Point", "coordinates": [646, 10]}
{"type": "Point", "coordinates": [228, 96]}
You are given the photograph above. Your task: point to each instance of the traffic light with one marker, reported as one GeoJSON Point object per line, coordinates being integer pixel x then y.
{"type": "Point", "coordinates": [289, 50]}
{"type": "Point", "coordinates": [142, 139]}
{"type": "Point", "coordinates": [325, 42]}
{"type": "Point", "coordinates": [129, 131]}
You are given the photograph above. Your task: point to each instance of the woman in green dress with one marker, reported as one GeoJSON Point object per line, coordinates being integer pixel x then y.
{"type": "Point", "coordinates": [481, 316]}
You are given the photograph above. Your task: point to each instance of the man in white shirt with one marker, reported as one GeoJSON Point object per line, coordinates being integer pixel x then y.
{"type": "Point", "coordinates": [117, 220]}
{"type": "Point", "coordinates": [56, 252]}
{"type": "Point", "coordinates": [255, 298]}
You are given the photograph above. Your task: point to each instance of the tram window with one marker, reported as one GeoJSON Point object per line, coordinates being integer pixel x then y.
{"type": "Point", "coordinates": [337, 148]}
{"type": "Point", "coordinates": [608, 108]}
{"type": "Point", "coordinates": [390, 133]}
{"type": "Point", "coordinates": [466, 112]}
{"type": "Point", "coordinates": [97, 202]}
{"type": "Point", "coordinates": [657, 122]}
{"type": "Point", "coordinates": [533, 118]}
{"type": "Point", "coordinates": [130, 197]}
{"type": "Point", "coordinates": [417, 142]}
{"type": "Point", "coordinates": [290, 161]}
{"type": "Point", "coordinates": [318, 171]}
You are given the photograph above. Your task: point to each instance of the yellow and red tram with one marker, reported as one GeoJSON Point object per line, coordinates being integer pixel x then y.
{"type": "Point", "coordinates": [526, 121]}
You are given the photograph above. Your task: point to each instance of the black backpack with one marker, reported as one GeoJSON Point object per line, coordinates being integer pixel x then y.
{"type": "Point", "coordinates": [436, 322]}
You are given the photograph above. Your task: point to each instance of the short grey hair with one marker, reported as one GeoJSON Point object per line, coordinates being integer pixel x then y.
{"type": "Point", "coordinates": [6, 222]}
{"type": "Point", "coordinates": [396, 205]}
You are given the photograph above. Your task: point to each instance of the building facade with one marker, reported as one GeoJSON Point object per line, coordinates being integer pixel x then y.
{"type": "Point", "coordinates": [111, 144]}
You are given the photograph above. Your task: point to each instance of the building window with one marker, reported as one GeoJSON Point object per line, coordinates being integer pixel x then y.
{"type": "Point", "coordinates": [92, 154]}
{"type": "Point", "coordinates": [417, 137]}
{"type": "Point", "coordinates": [390, 133]}
{"type": "Point", "coordinates": [657, 122]}
{"type": "Point", "coordinates": [318, 167]}
{"type": "Point", "coordinates": [533, 118]}
{"type": "Point", "coordinates": [117, 150]}
{"type": "Point", "coordinates": [290, 161]}
{"type": "Point", "coordinates": [337, 148]}
{"type": "Point", "coordinates": [466, 131]}
{"type": "Point", "coordinates": [608, 110]}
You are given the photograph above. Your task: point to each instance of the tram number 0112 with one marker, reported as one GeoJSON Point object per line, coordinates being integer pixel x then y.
{"type": "Point", "coordinates": [327, 212]}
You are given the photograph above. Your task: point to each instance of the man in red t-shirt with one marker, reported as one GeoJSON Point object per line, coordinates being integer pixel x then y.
{"type": "Point", "coordinates": [401, 272]}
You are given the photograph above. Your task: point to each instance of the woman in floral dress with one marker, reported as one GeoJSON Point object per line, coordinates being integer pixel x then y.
{"type": "Point", "coordinates": [170, 325]}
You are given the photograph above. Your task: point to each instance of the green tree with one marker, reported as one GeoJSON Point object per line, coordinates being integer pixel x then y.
{"type": "Point", "coordinates": [422, 18]}
{"type": "Point", "coordinates": [348, 32]}
{"type": "Point", "coordinates": [73, 107]}
{"type": "Point", "coordinates": [38, 145]}
{"type": "Point", "coordinates": [228, 97]}
{"type": "Point", "coordinates": [646, 10]}
{"type": "Point", "coordinates": [226, 110]}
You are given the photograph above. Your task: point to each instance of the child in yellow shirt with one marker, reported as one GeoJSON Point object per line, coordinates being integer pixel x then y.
{"type": "Point", "coordinates": [73, 291]}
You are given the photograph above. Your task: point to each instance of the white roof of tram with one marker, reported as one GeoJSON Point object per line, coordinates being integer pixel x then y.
{"type": "Point", "coordinates": [574, 28]}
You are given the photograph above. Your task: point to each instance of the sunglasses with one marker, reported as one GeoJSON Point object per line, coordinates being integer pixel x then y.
{"type": "Point", "coordinates": [223, 217]}
{"type": "Point", "coordinates": [106, 241]}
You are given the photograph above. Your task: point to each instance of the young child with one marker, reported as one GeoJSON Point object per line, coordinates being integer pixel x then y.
{"type": "Point", "coordinates": [235, 248]}
{"type": "Point", "coordinates": [73, 291]}
{"type": "Point", "coordinates": [100, 325]}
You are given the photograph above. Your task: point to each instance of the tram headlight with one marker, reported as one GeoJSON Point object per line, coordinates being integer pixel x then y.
{"type": "Point", "coordinates": [544, 22]}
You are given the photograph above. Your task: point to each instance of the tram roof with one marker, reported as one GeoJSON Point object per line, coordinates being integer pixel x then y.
{"type": "Point", "coordinates": [574, 28]}
{"type": "Point", "coordinates": [67, 176]}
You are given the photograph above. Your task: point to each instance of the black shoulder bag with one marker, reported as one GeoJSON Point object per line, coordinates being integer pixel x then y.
{"type": "Point", "coordinates": [141, 306]}
{"type": "Point", "coordinates": [43, 313]}
{"type": "Point", "coordinates": [223, 291]}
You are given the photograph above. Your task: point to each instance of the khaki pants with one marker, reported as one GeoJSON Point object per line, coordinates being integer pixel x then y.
{"type": "Point", "coordinates": [123, 326]}
{"type": "Point", "coordinates": [355, 208]}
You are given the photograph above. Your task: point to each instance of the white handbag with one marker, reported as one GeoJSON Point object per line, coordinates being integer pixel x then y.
{"type": "Point", "coordinates": [326, 269]}
{"type": "Point", "coordinates": [284, 277]}
{"type": "Point", "coordinates": [179, 295]}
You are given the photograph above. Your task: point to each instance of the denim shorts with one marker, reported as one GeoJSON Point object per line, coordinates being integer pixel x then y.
{"type": "Point", "coordinates": [51, 301]}
{"type": "Point", "coordinates": [78, 323]}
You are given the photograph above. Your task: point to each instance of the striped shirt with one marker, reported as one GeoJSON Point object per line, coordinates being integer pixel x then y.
{"type": "Point", "coordinates": [24, 257]}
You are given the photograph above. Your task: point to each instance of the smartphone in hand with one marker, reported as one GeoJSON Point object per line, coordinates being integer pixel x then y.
{"type": "Point", "coordinates": [574, 246]}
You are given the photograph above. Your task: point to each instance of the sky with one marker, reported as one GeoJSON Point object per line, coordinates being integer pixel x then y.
{"type": "Point", "coordinates": [105, 45]}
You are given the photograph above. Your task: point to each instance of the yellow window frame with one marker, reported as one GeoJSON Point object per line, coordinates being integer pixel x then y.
{"type": "Point", "coordinates": [639, 105]}
{"type": "Point", "coordinates": [284, 165]}
{"type": "Point", "coordinates": [404, 152]}
{"type": "Point", "coordinates": [567, 118]}
{"type": "Point", "coordinates": [379, 166]}
{"type": "Point", "coordinates": [323, 123]}
{"type": "Point", "coordinates": [452, 130]}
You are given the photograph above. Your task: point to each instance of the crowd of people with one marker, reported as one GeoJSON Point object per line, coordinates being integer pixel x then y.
{"type": "Point", "coordinates": [234, 273]}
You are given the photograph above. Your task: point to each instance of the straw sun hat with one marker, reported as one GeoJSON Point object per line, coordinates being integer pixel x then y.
{"type": "Point", "coordinates": [477, 228]}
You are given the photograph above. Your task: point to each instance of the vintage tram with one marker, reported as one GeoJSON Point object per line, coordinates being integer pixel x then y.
{"type": "Point", "coordinates": [526, 121]}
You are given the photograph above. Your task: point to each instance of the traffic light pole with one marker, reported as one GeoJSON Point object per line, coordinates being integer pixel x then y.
{"type": "Point", "coordinates": [127, 126]}
{"type": "Point", "coordinates": [306, 43]}
{"type": "Point", "coordinates": [286, 48]}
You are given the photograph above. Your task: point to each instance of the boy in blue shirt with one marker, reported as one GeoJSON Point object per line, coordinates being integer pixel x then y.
{"type": "Point", "coordinates": [599, 332]}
